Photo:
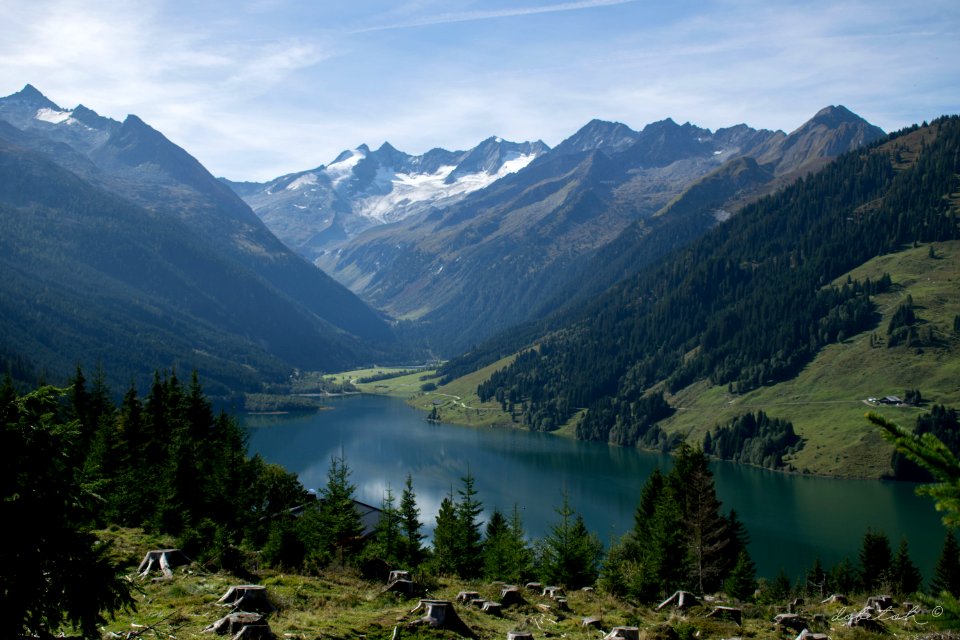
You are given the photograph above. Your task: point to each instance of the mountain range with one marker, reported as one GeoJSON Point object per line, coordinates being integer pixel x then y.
{"type": "Point", "coordinates": [121, 249]}
{"type": "Point", "coordinates": [544, 227]}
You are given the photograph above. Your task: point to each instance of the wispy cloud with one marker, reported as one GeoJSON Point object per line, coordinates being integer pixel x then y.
{"type": "Point", "coordinates": [473, 16]}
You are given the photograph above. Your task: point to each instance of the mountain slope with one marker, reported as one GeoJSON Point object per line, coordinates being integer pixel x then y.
{"type": "Point", "coordinates": [140, 164]}
{"type": "Point", "coordinates": [746, 305]}
{"type": "Point", "coordinates": [122, 248]}
{"type": "Point", "coordinates": [536, 239]}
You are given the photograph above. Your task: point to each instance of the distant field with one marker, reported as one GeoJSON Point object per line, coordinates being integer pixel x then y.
{"type": "Point", "coordinates": [826, 402]}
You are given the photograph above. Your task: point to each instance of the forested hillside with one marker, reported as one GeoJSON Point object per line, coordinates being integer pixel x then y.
{"type": "Point", "coordinates": [747, 305]}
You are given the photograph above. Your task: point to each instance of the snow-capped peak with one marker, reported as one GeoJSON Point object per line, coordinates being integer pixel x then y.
{"type": "Point", "coordinates": [53, 116]}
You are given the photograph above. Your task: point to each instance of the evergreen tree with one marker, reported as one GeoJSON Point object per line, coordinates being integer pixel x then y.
{"type": "Point", "coordinates": [507, 556]}
{"type": "Point", "coordinates": [742, 582]}
{"type": "Point", "coordinates": [932, 454]}
{"type": "Point", "coordinates": [411, 544]}
{"type": "Point", "coordinates": [817, 580]}
{"type": "Point", "coordinates": [904, 574]}
{"type": "Point", "coordinates": [570, 554]}
{"type": "Point", "coordinates": [496, 557]}
{"type": "Point", "coordinates": [386, 543]}
{"type": "Point", "coordinates": [777, 590]}
{"type": "Point", "coordinates": [946, 575]}
{"type": "Point", "coordinates": [446, 536]}
{"type": "Point", "coordinates": [706, 535]}
{"type": "Point", "coordinates": [54, 572]}
{"type": "Point", "coordinates": [875, 560]}
{"type": "Point", "coordinates": [342, 529]}
{"type": "Point", "coordinates": [844, 577]}
{"type": "Point", "coordinates": [738, 539]}
{"type": "Point", "coordinates": [469, 550]}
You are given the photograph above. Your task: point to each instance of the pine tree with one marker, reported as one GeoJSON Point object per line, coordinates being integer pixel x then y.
{"type": "Point", "coordinates": [946, 575]}
{"type": "Point", "coordinates": [54, 571]}
{"type": "Point", "coordinates": [875, 560]}
{"type": "Point", "coordinates": [496, 555]}
{"type": "Point", "coordinates": [386, 541]}
{"type": "Point", "coordinates": [817, 579]}
{"type": "Point", "coordinates": [469, 550]}
{"type": "Point", "coordinates": [742, 582]}
{"type": "Point", "coordinates": [446, 537]}
{"type": "Point", "coordinates": [570, 554]}
{"type": "Point", "coordinates": [904, 574]}
{"type": "Point", "coordinates": [706, 535]}
{"type": "Point", "coordinates": [342, 529]}
{"type": "Point", "coordinates": [412, 548]}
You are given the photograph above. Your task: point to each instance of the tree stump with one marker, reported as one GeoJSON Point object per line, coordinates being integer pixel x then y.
{"type": "Point", "coordinates": [519, 635]}
{"type": "Point", "coordinates": [510, 595]}
{"type": "Point", "coordinates": [232, 623]}
{"type": "Point", "coordinates": [403, 587]}
{"type": "Point", "coordinates": [880, 603]}
{"type": "Point", "coordinates": [562, 604]}
{"type": "Point", "coordinates": [467, 596]}
{"type": "Point", "coordinates": [247, 597]}
{"type": "Point", "coordinates": [552, 592]}
{"type": "Point", "coordinates": [398, 575]}
{"type": "Point", "coordinates": [440, 614]}
{"type": "Point", "coordinates": [166, 560]}
{"type": "Point", "coordinates": [534, 586]}
{"type": "Point", "coordinates": [790, 621]}
{"type": "Point", "coordinates": [257, 632]}
{"type": "Point", "coordinates": [837, 598]}
{"type": "Point", "coordinates": [493, 608]}
{"type": "Point", "coordinates": [794, 606]}
{"type": "Point", "coordinates": [727, 613]}
{"type": "Point", "coordinates": [593, 621]}
{"type": "Point", "coordinates": [623, 633]}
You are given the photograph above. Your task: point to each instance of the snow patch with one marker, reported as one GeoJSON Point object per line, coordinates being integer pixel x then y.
{"type": "Point", "coordinates": [302, 181]}
{"type": "Point", "coordinates": [407, 190]}
{"type": "Point", "coordinates": [340, 171]}
{"type": "Point", "coordinates": [53, 116]}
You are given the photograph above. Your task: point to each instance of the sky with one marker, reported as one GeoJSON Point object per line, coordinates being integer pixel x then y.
{"type": "Point", "coordinates": [256, 89]}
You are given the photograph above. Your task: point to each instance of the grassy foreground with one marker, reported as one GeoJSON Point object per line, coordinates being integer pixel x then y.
{"type": "Point", "coordinates": [339, 604]}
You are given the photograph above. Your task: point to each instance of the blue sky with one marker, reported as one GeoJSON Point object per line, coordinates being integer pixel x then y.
{"type": "Point", "coordinates": [256, 89]}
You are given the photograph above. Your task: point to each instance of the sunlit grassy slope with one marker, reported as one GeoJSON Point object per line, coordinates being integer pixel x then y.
{"type": "Point", "coordinates": [826, 401]}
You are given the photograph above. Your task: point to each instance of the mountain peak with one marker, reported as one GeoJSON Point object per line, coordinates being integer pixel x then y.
{"type": "Point", "coordinates": [32, 96]}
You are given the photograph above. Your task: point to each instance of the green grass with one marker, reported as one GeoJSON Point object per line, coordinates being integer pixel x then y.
{"type": "Point", "coordinates": [826, 401]}
{"type": "Point", "coordinates": [337, 603]}
{"type": "Point", "coordinates": [458, 403]}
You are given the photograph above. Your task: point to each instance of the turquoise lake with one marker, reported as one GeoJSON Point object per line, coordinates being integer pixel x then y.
{"type": "Point", "coordinates": [792, 519]}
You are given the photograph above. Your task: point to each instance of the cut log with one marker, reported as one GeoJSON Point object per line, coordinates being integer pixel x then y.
{"type": "Point", "coordinates": [231, 624]}
{"type": "Point", "coordinates": [398, 575]}
{"type": "Point", "coordinates": [727, 613]}
{"type": "Point", "coordinates": [247, 597]}
{"type": "Point", "coordinates": [623, 633]}
{"type": "Point", "coordinates": [680, 600]}
{"type": "Point", "coordinates": [165, 560]}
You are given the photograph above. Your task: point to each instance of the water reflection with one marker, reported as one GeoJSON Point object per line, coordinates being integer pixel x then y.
{"type": "Point", "coordinates": [791, 519]}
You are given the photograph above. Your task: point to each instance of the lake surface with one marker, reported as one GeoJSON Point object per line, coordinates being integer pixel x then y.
{"type": "Point", "coordinates": [791, 519]}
